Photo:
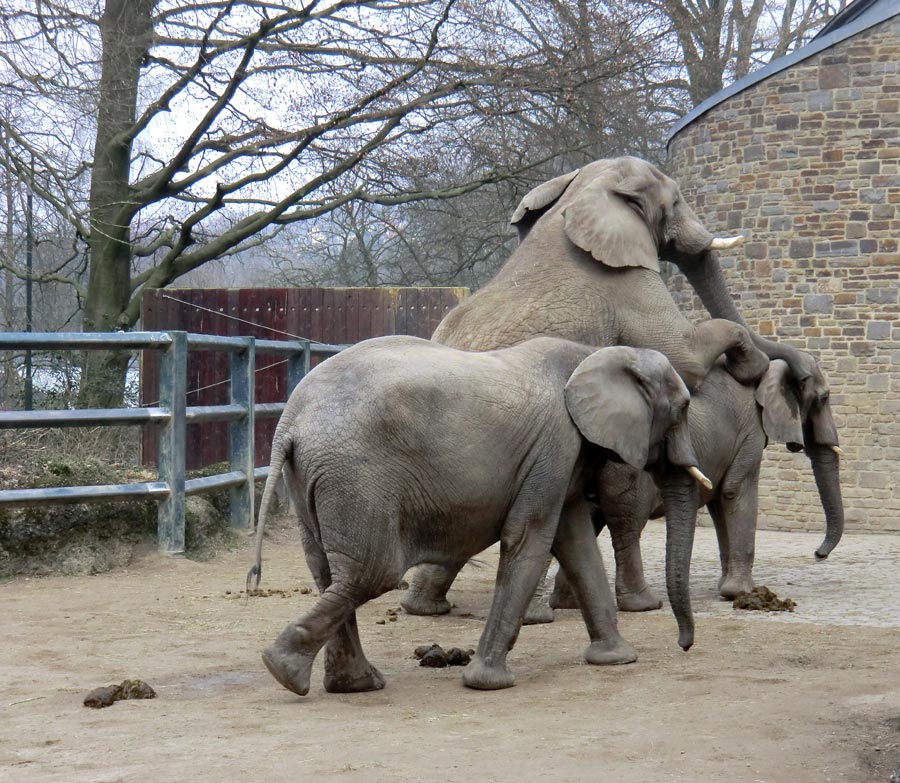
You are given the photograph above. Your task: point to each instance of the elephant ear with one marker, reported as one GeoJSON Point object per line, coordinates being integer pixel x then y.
{"type": "Point", "coordinates": [780, 407]}
{"type": "Point", "coordinates": [537, 201]}
{"type": "Point", "coordinates": [609, 403]}
{"type": "Point", "coordinates": [605, 221]}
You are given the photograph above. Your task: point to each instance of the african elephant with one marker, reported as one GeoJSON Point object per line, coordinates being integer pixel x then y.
{"type": "Point", "coordinates": [400, 451]}
{"type": "Point", "coordinates": [730, 425]}
{"type": "Point", "coordinates": [587, 270]}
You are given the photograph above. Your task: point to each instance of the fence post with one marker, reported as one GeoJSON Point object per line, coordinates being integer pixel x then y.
{"type": "Point", "coordinates": [172, 397]}
{"type": "Point", "coordinates": [298, 366]}
{"type": "Point", "coordinates": [240, 434]}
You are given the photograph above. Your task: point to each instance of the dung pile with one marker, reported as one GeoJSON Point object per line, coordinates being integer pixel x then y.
{"type": "Point", "coordinates": [129, 689]}
{"type": "Point", "coordinates": [436, 657]}
{"type": "Point", "coordinates": [762, 599]}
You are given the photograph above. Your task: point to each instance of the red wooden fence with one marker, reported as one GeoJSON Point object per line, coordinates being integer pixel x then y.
{"type": "Point", "coordinates": [327, 315]}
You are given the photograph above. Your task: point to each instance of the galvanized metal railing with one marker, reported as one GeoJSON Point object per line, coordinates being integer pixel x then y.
{"type": "Point", "coordinates": [172, 415]}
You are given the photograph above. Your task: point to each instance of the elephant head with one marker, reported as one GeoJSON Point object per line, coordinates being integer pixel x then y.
{"type": "Point", "coordinates": [624, 212]}
{"type": "Point", "coordinates": [798, 414]}
{"type": "Point", "coordinates": [633, 403]}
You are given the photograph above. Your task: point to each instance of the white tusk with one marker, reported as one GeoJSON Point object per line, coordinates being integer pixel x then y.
{"type": "Point", "coordinates": [724, 243]}
{"type": "Point", "coordinates": [697, 474]}
{"type": "Point", "coordinates": [837, 450]}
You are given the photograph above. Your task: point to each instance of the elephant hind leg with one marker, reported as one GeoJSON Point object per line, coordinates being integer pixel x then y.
{"type": "Point", "coordinates": [539, 609]}
{"type": "Point", "coordinates": [331, 621]}
{"type": "Point", "coordinates": [346, 668]}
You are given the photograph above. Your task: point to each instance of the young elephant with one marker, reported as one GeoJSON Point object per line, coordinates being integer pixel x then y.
{"type": "Point", "coordinates": [400, 451]}
{"type": "Point", "coordinates": [729, 426]}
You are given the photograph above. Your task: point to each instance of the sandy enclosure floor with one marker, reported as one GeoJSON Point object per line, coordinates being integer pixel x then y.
{"type": "Point", "coordinates": [813, 696]}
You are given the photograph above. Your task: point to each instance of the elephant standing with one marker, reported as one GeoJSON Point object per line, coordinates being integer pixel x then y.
{"type": "Point", "coordinates": [587, 270]}
{"type": "Point", "coordinates": [729, 425]}
{"type": "Point", "coordinates": [400, 451]}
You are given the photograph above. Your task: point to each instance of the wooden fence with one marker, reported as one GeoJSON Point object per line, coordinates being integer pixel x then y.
{"type": "Point", "coordinates": [326, 315]}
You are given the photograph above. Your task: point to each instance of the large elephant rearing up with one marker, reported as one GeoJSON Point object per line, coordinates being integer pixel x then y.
{"type": "Point", "coordinates": [587, 270]}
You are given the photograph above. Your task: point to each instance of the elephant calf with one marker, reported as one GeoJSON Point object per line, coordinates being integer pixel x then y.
{"type": "Point", "coordinates": [730, 425]}
{"type": "Point", "coordinates": [400, 451]}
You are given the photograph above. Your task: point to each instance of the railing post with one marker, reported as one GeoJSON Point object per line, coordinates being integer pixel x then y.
{"type": "Point", "coordinates": [173, 397]}
{"type": "Point", "coordinates": [298, 366]}
{"type": "Point", "coordinates": [240, 434]}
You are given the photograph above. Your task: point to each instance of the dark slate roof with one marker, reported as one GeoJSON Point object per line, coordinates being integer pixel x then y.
{"type": "Point", "coordinates": [860, 15]}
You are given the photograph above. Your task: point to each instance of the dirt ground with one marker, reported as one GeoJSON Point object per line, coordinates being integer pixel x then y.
{"type": "Point", "coordinates": [811, 696]}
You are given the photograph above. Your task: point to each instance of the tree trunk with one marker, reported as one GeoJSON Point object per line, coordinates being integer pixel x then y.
{"type": "Point", "coordinates": [10, 379]}
{"type": "Point", "coordinates": [126, 29]}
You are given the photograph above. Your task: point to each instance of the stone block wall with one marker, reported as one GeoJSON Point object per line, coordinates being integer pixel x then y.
{"type": "Point", "coordinates": [806, 165]}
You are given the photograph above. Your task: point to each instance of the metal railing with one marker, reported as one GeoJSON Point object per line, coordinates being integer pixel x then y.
{"type": "Point", "coordinates": [171, 415]}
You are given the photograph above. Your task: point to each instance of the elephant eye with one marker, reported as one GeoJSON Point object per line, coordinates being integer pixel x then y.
{"type": "Point", "coordinates": [633, 201]}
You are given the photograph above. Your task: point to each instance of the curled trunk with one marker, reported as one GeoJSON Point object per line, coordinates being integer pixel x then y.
{"type": "Point", "coordinates": [704, 273]}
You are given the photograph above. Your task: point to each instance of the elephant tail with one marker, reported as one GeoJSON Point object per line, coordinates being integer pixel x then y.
{"type": "Point", "coordinates": [281, 450]}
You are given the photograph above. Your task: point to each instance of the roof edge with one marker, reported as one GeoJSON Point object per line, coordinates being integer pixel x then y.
{"type": "Point", "coordinates": [814, 47]}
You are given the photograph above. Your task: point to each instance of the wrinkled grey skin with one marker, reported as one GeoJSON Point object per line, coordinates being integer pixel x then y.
{"type": "Point", "coordinates": [400, 451]}
{"type": "Point", "coordinates": [587, 270]}
{"type": "Point", "coordinates": [730, 425]}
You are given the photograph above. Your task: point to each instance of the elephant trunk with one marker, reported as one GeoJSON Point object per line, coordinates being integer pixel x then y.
{"type": "Point", "coordinates": [827, 471]}
{"type": "Point", "coordinates": [704, 273]}
{"type": "Point", "coordinates": [680, 498]}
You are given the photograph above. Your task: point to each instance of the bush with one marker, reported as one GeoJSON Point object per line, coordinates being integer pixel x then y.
{"type": "Point", "coordinates": [89, 538]}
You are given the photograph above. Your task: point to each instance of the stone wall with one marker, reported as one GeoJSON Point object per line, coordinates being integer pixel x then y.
{"type": "Point", "coordinates": [806, 165]}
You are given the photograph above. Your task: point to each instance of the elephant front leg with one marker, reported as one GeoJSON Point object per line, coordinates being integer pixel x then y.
{"type": "Point", "coordinates": [576, 548]}
{"type": "Point", "coordinates": [428, 586]}
{"type": "Point", "coordinates": [524, 551]}
{"type": "Point", "coordinates": [736, 514]}
{"type": "Point", "coordinates": [633, 594]}
{"type": "Point", "coordinates": [743, 360]}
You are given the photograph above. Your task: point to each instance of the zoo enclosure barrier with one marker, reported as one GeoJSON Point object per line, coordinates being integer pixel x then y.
{"type": "Point", "coordinates": [172, 415]}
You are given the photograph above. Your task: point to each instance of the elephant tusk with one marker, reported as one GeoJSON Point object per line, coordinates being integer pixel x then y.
{"type": "Point", "coordinates": [837, 450]}
{"type": "Point", "coordinates": [724, 243]}
{"type": "Point", "coordinates": [698, 474]}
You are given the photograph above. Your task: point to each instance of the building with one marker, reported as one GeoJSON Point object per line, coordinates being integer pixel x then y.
{"type": "Point", "coordinates": [803, 158]}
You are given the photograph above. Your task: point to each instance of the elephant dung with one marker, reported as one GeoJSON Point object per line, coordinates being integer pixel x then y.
{"type": "Point", "coordinates": [128, 689]}
{"type": "Point", "coordinates": [762, 599]}
{"type": "Point", "coordinates": [436, 657]}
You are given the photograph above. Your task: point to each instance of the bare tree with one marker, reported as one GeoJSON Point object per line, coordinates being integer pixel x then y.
{"type": "Point", "coordinates": [585, 97]}
{"type": "Point", "coordinates": [204, 128]}
{"type": "Point", "coordinates": [721, 41]}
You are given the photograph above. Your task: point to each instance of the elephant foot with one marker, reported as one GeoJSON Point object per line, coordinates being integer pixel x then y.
{"type": "Point", "coordinates": [365, 679]}
{"type": "Point", "coordinates": [479, 675]}
{"type": "Point", "coordinates": [614, 652]}
{"type": "Point", "coordinates": [538, 614]}
{"type": "Point", "coordinates": [732, 586]}
{"type": "Point", "coordinates": [290, 668]}
{"type": "Point", "coordinates": [644, 600]}
{"type": "Point", "coordinates": [563, 598]}
{"type": "Point", "coordinates": [416, 603]}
